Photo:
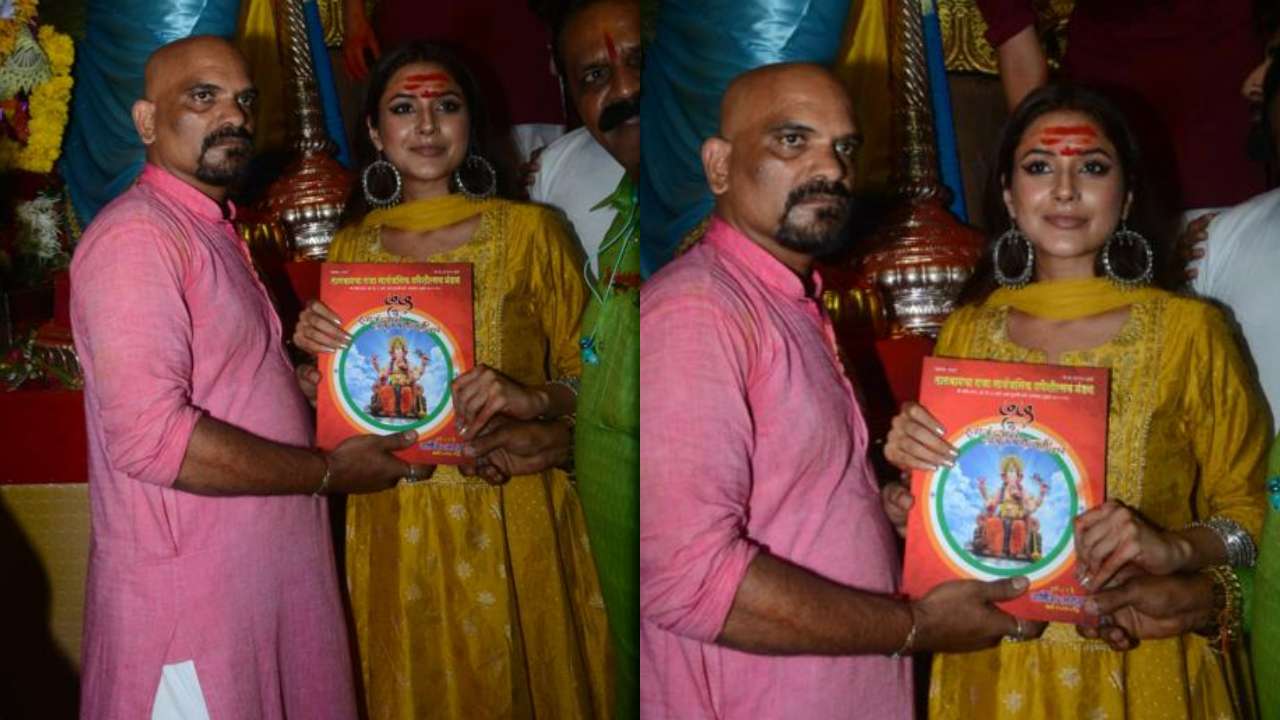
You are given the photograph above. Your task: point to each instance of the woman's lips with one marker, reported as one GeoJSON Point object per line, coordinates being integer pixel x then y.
{"type": "Point", "coordinates": [1066, 222]}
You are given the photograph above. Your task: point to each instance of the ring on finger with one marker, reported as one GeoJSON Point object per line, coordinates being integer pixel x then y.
{"type": "Point", "coordinates": [1020, 633]}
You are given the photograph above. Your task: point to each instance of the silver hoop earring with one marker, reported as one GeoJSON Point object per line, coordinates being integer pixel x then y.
{"type": "Point", "coordinates": [381, 165]}
{"type": "Point", "coordinates": [1010, 237]}
{"type": "Point", "coordinates": [476, 164]}
{"type": "Point", "coordinates": [1126, 238]}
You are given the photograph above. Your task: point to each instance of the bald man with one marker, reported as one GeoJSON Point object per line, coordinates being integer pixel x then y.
{"type": "Point", "coordinates": [767, 566]}
{"type": "Point", "coordinates": [212, 590]}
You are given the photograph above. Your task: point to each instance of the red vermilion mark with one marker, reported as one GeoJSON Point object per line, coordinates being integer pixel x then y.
{"type": "Point", "coordinates": [609, 46]}
{"type": "Point", "coordinates": [1070, 151]}
{"type": "Point", "coordinates": [431, 84]}
{"type": "Point", "coordinates": [1086, 130]}
{"type": "Point", "coordinates": [423, 77]}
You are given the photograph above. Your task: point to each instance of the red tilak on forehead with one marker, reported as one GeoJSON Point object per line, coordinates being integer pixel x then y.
{"type": "Point", "coordinates": [423, 77]}
{"type": "Point", "coordinates": [431, 84]}
{"type": "Point", "coordinates": [613, 49]}
{"type": "Point", "coordinates": [1086, 130]}
{"type": "Point", "coordinates": [1053, 135]}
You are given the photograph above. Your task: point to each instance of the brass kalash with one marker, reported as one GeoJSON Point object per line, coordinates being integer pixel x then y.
{"type": "Point", "coordinates": [907, 283]}
{"type": "Point", "coordinates": [304, 205]}
{"type": "Point", "coordinates": [922, 255]}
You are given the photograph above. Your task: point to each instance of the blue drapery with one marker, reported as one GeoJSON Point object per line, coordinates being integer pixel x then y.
{"type": "Point", "coordinates": [325, 86]}
{"type": "Point", "coordinates": [943, 123]}
{"type": "Point", "coordinates": [102, 154]}
{"type": "Point", "coordinates": [700, 45]}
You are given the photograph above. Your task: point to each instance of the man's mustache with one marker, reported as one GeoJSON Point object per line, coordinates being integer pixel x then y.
{"type": "Point", "coordinates": [817, 188]}
{"type": "Point", "coordinates": [619, 112]}
{"type": "Point", "coordinates": [230, 131]}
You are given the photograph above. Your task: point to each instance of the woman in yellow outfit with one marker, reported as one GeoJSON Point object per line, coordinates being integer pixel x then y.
{"type": "Point", "coordinates": [471, 599]}
{"type": "Point", "coordinates": [1069, 284]}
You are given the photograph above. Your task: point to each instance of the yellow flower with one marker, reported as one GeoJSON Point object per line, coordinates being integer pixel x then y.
{"type": "Point", "coordinates": [23, 11]}
{"type": "Point", "coordinates": [58, 48]}
{"type": "Point", "coordinates": [48, 106]}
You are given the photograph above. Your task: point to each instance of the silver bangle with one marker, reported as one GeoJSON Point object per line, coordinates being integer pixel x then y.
{"type": "Point", "coordinates": [909, 643]}
{"type": "Point", "coordinates": [1241, 551]}
{"type": "Point", "coordinates": [323, 489]}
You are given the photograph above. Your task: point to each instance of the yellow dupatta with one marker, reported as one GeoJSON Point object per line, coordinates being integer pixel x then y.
{"type": "Point", "coordinates": [427, 214]}
{"type": "Point", "coordinates": [1070, 299]}
{"type": "Point", "coordinates": [417, 216]}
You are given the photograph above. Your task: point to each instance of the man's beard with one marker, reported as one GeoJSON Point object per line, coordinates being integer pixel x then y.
{"type": "Point", "coordinates": [827, 232]}
{"type": "Point", "coordinates": [235, 158]}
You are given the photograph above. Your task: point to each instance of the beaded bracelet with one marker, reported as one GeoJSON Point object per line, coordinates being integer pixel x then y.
{"type": "Point", "coordinates": [1228, 603]}
{"type": "Point", "coordinates": [573, 382]}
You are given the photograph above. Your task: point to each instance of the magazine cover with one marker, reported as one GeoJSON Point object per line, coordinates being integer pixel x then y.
{"type": "Point", "coordinates": [1032, 445]}
{"type": "Point", "coordinates": [412, 334]}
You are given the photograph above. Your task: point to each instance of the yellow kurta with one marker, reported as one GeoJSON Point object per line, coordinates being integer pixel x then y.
{"type": "Point", "coordinates": [472, 601]}
{"type": "Point", "coordinates": [1186, 440]}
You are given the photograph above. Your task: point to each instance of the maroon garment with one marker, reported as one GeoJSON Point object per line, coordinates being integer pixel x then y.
{"type": "Point", "coordinates": [1175, 67]}
{"type": "Point", "coordinates": [501, 41]}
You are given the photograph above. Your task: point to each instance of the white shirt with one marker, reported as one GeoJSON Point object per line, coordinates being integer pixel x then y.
{"type": "Point", "coordinates": [574, 174]}
{"type": "Point", "coordinates": [1241, 269]}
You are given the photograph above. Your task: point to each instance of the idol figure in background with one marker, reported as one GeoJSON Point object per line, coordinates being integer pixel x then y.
{"type": "Point", "coordinates": [472, 598]}
{"type": "Point", "coordinates": [1006, 528]}
{"type": "Point", "coordinates": [1070, 281]}
{"type": "Point", "coordinates": [397, 393]}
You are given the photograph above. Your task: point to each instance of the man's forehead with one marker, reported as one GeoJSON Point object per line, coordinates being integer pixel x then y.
{"type": "Point", "coordinates": [768, 95]}
{"type": "Point", "coordinates": [591, 31]}
{"type": "Point", "coordinates": [204, 64]}
{"type": "Point", "coordinates": [823, 115]}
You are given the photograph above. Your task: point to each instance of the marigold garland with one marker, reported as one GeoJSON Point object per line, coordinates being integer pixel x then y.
{"type": "Point", "coordinates": [23, 11]}
{"type": "Point", "coordinates": [48, 105]}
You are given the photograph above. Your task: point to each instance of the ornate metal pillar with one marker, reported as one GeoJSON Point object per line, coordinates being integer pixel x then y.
{"type": "Point", "coordinates": [922, 255]}
{"type": "Point", "coordinates": [308, 198]}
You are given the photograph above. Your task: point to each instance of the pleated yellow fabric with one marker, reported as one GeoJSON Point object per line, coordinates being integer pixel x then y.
{"type": "Point", "coordinates": [472, 601]}
{"type": "Point", "coordinates": [1070, 299]}
{"type": "Point", "coordinates": [428, 214]}
{"type": "Point", "coordinates": [863, 64]}
{"type": "Point", "coordinates": [1186, 440]}
{"type": "Point", "coordinates": [256, 38]}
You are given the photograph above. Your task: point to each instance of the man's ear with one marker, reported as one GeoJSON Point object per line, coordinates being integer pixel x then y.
{"type": "Point", "coordinates": [715, 163]}
{"type": "Point", "coordinates": [144, 120]}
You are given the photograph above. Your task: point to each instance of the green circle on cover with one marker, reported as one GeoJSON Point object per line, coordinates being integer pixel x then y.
{"type": "Point", "coordinates": [1006, 509]}
{"type": "Point", "coordinates": [397, 375]}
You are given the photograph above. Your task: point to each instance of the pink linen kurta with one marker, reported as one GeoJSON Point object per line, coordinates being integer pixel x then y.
{"type": "Point", "coordinates": [751, 441]}
{"type": "Point", "coordinates": [171, 323]}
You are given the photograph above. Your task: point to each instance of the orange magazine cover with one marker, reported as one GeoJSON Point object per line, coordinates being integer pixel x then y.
{"type": "Point", "coordinates": [412, 334]}
{"type": "Point", "coordinates": [1032, 443]}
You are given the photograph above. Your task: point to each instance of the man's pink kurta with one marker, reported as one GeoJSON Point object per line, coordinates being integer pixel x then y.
{"type": "Point", "coordinates": [171, 323]}
{"type": "Point", "coordinates": [751, 441]}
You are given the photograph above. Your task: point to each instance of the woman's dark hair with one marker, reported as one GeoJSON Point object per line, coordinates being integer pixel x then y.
{"type": "Point", "coordinates": [1143, 217]}
{"type": "Point", "coordinates": [387, 65]}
